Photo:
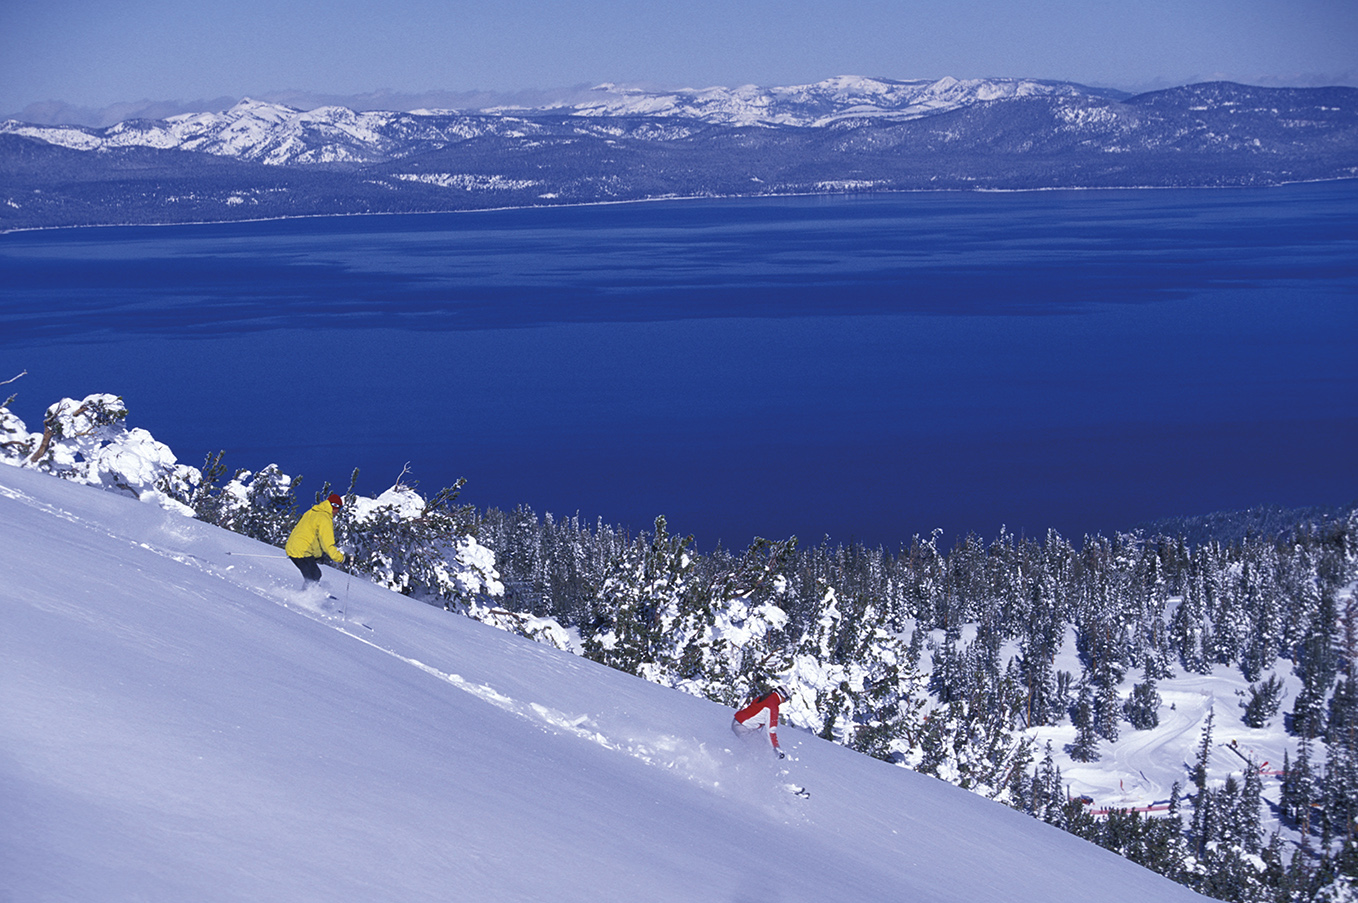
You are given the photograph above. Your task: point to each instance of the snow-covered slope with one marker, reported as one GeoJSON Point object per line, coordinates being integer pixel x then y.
{"type": "Point", "coordinates": [180, 723]}
{"type": "Point", "coordinates": [1140, 768]}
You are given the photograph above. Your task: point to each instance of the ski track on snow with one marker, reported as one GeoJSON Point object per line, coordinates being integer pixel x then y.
{"type": "Point", "coordinates": [700, 764]}
{"type": "Point", "coordinates": [1142, 747]}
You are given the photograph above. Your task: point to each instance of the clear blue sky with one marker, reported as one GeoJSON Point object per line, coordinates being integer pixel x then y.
{"type": "Point", "coordinates": [94, 53]}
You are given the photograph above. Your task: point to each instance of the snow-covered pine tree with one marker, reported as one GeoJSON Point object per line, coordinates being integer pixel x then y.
{"type": "Point", "coordinates": [1300, 791]}
{"type": "Point", "coordinates": [890, 705]}
{"type": "Point", "coordinates": [1265, 698]}
{"type": "Point", "coordinates": [1085, 748]}
{"type": "Point", "coordinates": [1202, 826]}
{"type": "Point", "coordinates": [1341, 736]}
{"type": "Point", "coordinates": [1187, 629]}
{"type": "Point", "coordinates": [1102, 636]}
{"type": "Point", "coordinates": [1048, 793]}
{"type": "Point", "coordinates": [1249, 827]}
{"type": "Point", "coordinates": [639, 601]}
{"type": "Point", "coordinates": [1036, 661]}
{"type": "Point", "coordinates": [262, 505]}
{"type": "Point", "coordinates": [816, 665]}
{"type": "Point", "coordinates": [1316, 664]}
{"type": "Point", "coordinates": [1143, 706]}
{"type": "Point", "coordinates": [728, 639]}
{"type": "Point", "coordinates": [923, 573]}
{"type": "Point", "coordinates": [1176, 849]}
{"type": "Point", "coordinates": [1262, 603]}
{"type": "Point", "coordinates": [417, 546]}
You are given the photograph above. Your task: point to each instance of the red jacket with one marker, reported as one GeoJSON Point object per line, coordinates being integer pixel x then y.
{"type": "Point", "coordinates": [752, 714]}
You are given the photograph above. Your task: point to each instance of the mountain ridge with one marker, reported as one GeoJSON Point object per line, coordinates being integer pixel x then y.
{"type": "Point", "coordinates": [278, 134]}
{"type": "Point", "coordinates": [846, 134]}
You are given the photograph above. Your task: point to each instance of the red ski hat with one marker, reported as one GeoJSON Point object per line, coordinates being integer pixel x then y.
{"type": "Point", "coordinates": [336, 501]}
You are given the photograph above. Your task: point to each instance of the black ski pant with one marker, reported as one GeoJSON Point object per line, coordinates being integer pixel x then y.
{"type": "Point", "coordinates": [310, 568]}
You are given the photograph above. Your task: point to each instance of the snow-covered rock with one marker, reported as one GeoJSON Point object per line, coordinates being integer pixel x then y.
{"type": "Point", "coordinates": [88, 441]}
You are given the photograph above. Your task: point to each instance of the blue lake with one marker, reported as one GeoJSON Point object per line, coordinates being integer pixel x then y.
{"type": "Point", "coordinates": [861, 367]}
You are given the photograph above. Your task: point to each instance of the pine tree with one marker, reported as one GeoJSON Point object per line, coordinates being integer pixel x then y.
{"type": "Point", "coordinates": [1037, 676]}
{"type": "Point", "coordinates": [1046, 796]}
{"type": "Point", "coordinates": [640, 601]}
{"type": "Point", "coordinates": [1299, 791]}
{"type": "Point", "coordinates": [1202, 826]}
{"type": "Point", "coordinates": [1296, 881]}
{"type": "Point", "coordinates": [1346, 864]}
{"type": "Point", "coordinates": [1187, 627]}
{"type": "Point", "coordinates": [270, 506]}
{"type": "Point", "coordinates": [1086, 745]}
{"type": "Point", "coordinates": [1341, 738]}
{"type": "Point", "coordinates": [1317, 667]}
{"type": "Point", "coordinates": [1143, 706]}
{"type": "Point", "coordinates": [1264, 701]}
{"type": "Point", "coordinates": [1251, 800]}
{"type": "Point", "coordinates": [891, 704]}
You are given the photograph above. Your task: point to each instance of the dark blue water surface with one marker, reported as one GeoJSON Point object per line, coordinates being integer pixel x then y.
{"type": "Point", "coordinates": [865, 368]}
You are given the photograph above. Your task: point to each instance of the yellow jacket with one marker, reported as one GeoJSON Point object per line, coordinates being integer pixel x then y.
{"type": "Point", "coordinates": [314, 535]}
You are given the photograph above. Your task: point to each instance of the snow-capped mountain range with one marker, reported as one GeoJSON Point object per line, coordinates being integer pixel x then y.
{"type": "Point", "coordinates": [270, 133]}
{"type": "Point", "coordinates": [824, 103]}
{"type": "Point", "coordinates": [279, 135]}
{"type": "Point", "coordinates": [842, 134]}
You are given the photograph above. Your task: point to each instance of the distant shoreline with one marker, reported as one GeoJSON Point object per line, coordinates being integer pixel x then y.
{"type": "Point", "coordinates": [704, 197]}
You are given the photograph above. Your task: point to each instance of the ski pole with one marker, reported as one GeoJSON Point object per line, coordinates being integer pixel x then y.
{"type": "Point", "coordinates": [250, 555]}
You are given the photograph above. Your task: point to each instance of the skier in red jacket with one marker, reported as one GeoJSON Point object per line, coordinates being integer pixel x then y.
{"type": "Point", "coordinates": [763, 710]}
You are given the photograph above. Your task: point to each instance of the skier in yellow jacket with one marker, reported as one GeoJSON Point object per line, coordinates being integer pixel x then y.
{"type": "Point", "coordinates": [313, 537]}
